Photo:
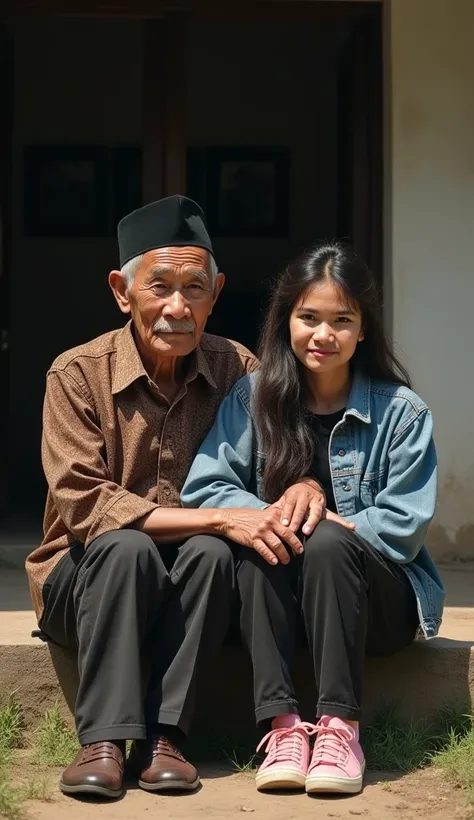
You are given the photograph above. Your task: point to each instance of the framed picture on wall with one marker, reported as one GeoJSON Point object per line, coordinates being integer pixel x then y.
{"type": "Point", "coordinates": [66, 191]}
{"type": "Point", "coordinates": [243, 190]}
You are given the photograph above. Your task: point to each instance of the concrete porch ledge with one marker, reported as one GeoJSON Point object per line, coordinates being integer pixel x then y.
{"type": "Point", "coordinates": [422, 679]}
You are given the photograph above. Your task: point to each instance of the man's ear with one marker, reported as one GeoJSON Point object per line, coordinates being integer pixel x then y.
{"type": "Point", "coordinates": [219, 284]}
{"type": "Point", "coordinates": [119, 288]}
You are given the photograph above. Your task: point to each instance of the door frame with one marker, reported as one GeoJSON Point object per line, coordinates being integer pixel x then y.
{"type": "Point", "coordinates": [360, 142]}
{"type": "Point", "coordinates": [6, 229]}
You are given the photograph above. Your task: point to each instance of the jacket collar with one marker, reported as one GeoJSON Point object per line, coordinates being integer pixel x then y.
{"type": "Point", "coordinates": [129, 366]}
{"type": "Point", "coordinates": [358, 404]}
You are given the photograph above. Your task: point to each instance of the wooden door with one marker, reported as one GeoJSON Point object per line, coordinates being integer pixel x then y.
{"type": "Point", "coordinates": [164, 132]}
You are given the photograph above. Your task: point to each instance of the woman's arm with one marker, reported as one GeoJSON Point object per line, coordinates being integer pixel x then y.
{"type": "Point", "coordinates": [397, 523]}
{"type": "Point", "coordinates": [223, 469]}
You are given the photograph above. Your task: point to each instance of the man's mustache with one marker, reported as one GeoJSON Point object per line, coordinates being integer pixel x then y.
{"type": "Point", "coordinates": [174, 326]}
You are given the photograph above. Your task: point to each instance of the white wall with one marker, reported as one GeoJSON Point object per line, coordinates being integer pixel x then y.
{"type": "Point", "coordinates": [432, 206]}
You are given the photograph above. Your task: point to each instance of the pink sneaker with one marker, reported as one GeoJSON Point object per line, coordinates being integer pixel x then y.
{"type": "Point", "coordinates": [287, 758]}
{"type": "Point", "coordinates": [337, 763]}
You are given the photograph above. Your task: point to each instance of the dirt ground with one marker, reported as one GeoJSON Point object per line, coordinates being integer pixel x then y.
{"type": "Point", "coordinates": [225, 794]}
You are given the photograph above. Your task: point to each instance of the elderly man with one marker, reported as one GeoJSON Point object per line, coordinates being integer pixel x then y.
{"type": "Point", "coordinates": [123, 573]}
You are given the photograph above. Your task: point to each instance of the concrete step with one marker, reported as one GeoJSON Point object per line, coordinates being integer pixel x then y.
{"type": "Point", "coordinates": [421, 680]}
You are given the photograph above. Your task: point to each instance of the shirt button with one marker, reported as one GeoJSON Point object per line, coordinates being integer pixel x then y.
{"type": "Point", "coordinates": [346, 488]}
{"type": "Point", "coordinates": [341, 453]}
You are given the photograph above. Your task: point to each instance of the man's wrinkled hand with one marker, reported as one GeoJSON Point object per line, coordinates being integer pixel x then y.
{"type": "Point", "coordinates": [261, 530]}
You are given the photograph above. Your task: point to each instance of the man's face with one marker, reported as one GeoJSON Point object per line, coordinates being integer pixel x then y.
{"type": "Point", "coordinates": [170, 299]}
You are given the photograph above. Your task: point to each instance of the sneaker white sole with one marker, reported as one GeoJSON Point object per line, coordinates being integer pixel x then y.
{"type": "Point", "coordinates": [341, 785]}
{"type": "Point", "coordinates": [280, 779]}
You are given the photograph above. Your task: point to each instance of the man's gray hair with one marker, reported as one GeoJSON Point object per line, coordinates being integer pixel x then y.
{"type": "Point", "coordinates": [130, 268]}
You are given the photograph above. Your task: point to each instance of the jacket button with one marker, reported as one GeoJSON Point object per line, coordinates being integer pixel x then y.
{"type": "Point", "coordinates": [346, 488]}
{"type": "Point", "coordinates": [341, 453]}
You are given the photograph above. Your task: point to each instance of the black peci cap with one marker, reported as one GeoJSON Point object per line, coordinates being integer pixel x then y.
{"type": "Point", "coordinates": [173, 221]}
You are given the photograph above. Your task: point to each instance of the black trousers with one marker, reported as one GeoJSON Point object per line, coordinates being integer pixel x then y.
{"type": "Point", "coordinates": [352, 600]}
{"type": "Point", "coordinates": [124, 599]}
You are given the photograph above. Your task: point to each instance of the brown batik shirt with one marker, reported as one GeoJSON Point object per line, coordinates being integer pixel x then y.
{"type": "Point", "coordinates": [113, 448]}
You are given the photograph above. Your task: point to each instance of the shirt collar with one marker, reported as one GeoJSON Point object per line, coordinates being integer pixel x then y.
{"type": "Point", "coordinates": [201, 366]}
{"type": "Point", "coordinates": [129, 366]}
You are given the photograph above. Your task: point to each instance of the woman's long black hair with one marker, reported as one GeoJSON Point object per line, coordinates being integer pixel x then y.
{"type": "Point", "coordinates": [279, 402]}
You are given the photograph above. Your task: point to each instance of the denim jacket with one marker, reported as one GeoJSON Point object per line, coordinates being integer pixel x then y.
{"type": "Point", "coordinates": [383, 466]}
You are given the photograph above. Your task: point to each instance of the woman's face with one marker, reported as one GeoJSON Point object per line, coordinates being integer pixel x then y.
{"type": "Point", "coordinates": [324, 329]}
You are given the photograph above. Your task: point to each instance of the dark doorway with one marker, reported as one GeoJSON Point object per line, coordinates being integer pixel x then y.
{"type": "Point", "coordinates": [311, 87]}
{"type": "Point", "coordinates": [299, 79]}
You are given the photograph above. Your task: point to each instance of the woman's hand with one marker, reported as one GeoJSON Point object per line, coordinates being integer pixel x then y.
{"type": "Point", "coordinates": [261, 530]}
{"type": "Point", "coordinates": [306, 500]}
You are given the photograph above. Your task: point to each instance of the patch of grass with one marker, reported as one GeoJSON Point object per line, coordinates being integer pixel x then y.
{"type": "Point", "coordinates": [391, 744]}
{"type": "Point", "coordinates": [247, 766]}
{"type": "Point", "coordinates": [10, 800]}
{"type": "Point", "coordinates": [452, 719]}
{"type": "Point", "coordinates": [12, 797]}
{"type": "Point", "coordinates": [55, 743]}
{"type": "Point", "coordinates": [39, 789]}
{"type": "Point", "coordinates": [457, 758]}
{"type": "Point", "coordinates": [11, 724]}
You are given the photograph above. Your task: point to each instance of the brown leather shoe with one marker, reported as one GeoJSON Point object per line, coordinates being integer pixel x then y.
{"type": "Point", "coordinates": [96, 769]}
{"type": "Point", "coordinates": [160, 766]}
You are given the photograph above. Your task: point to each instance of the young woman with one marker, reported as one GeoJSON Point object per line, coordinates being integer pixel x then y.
{"type": "Point", "coordinates": [330, 401]}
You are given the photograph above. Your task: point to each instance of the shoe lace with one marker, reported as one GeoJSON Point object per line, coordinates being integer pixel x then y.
{"type": "Point", "coordinates": [101, 750]}
{"type": "Point", "coordinates": [161, 745]}
{"type": "Point", "coordinates": [332, 744]}
{"type": "Point", "coordinates": [286, 743]}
